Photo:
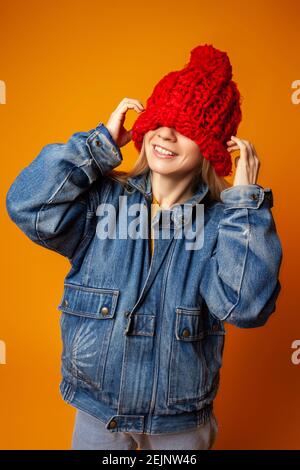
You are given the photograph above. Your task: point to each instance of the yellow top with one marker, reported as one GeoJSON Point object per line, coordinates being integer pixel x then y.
{"type": "Point", "coordinates": [153, 212]}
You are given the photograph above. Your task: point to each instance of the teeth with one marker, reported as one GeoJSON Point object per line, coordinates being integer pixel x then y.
{"type": "Point", "coordinates": [161, 150]}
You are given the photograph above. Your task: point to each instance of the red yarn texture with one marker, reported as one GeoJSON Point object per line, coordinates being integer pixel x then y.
{"type": "Point", "coordinates": [201, 102]}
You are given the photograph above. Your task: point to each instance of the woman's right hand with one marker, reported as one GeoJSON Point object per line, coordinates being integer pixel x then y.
{"type": "Point", "coordinates": [115, 123]}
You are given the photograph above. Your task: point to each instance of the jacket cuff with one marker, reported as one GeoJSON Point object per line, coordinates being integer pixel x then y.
{"type": "Point", "coordinates": [249, 196]}
{"type": "Point", "coordinates": [104, 149]}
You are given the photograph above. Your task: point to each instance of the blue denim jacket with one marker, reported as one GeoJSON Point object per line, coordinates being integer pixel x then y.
{"type": "Point", "coordinates": [143, 336]}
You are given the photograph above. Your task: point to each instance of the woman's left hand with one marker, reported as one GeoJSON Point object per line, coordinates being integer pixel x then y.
{"type": "Point", "coordinates": [247, 163]}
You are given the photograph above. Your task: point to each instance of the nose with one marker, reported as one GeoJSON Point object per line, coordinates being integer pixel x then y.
{"type": "Point", "coordinates": [167, 133]}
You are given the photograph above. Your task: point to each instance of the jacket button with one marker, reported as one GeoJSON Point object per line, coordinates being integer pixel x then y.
{"type": "Point", "coordinates": [186, 333]}
{"type": "Point", "coordinates": [112, 424]}
{"type": "Point", "coordinates": [254, 196]}
{"type": "Point", "coordinates": [98, 143]}
{"type": "Point", "coordinates": [66, 303]}
{"type": "Point", "coordinates": [215, 327]}
{"type": "Point", "coordinates": [104, 310]}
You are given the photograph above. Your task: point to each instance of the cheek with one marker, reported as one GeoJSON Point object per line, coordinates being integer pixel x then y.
{"type": "Point", "coordinates": [192, 161]}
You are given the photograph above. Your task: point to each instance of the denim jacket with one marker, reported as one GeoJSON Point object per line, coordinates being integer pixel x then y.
{"type": "Point", "coordinates": [143, 336]}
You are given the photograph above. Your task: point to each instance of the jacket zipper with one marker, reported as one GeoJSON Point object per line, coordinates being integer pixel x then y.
{"type": "Point", "coordinates": [158, 325]}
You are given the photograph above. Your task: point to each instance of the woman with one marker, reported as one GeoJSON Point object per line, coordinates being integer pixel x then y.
{"type": "Point", "coordinates": [143, 324]}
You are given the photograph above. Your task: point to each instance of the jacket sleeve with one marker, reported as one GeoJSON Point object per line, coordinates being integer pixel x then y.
{"type": "Point", "coordinates": [51, 199]}
{"type": "Point", "coordinates": [240, 282]}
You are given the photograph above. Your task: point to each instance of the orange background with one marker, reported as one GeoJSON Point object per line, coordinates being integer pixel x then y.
{"type": "Point", "coordinates": [66, 66]}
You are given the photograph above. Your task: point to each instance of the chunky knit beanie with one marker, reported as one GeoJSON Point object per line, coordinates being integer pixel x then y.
{"type": "Point", "coordinates": [201, 102]}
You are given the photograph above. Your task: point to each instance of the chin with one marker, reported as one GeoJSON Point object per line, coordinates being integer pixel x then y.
{"type": "Point", "coordinates": [163, 168]}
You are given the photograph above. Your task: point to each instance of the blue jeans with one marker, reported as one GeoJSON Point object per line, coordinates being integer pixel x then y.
{"type": "Point", "coordinates": [90, 434]}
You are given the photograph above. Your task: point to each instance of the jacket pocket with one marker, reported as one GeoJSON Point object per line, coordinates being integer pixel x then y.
{"type": "Point", "coordinates": [86, 326]}
{"type": "Point", "coordinates": [195, 356]}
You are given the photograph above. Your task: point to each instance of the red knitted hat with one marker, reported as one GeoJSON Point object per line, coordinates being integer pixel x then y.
{"type": "Point", "coordinates": [201, 102]}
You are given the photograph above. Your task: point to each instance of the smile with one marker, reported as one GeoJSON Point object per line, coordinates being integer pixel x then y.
{"type": "Point", "coordinates": [163, 153]}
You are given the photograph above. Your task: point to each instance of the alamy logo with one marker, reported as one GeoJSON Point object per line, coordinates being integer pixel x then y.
{"type": "Point", "coordinates": [132, 222]}
{"type": "Point", "coordinates": [2, 92]}
{"type": "Point", "coordinates": [295, 358]}
{"type": "Point", "coordinates": [296, 94]}
{"type": "Point", "coordinates": [2, 352]}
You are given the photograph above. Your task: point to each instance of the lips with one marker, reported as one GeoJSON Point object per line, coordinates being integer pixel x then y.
{"type": "Point", "coordinates": [162, 156]}
{"type": "Point", "coordinates": [165, 148]}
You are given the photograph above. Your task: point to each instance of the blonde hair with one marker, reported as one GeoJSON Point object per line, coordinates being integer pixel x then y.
{"type": "Point", "coordinates": [205, 171]}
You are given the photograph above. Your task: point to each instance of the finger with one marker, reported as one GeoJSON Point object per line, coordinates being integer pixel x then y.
{"type": "Point", "coordinates": [254, 152]}
{"type": "Point", "coordinates": [252, 157]}
{"type": "Point", "coordinates": [128, 105]}
{"type": "Point", "coordinates": [250, 151]}
{"type": "Point", "coordinates": [253, 160]}
{"type": "Point", "coordinates": [236, 160]}
{"type": "Point", "coordinates": [243, 148]}
{"type": "Point", "coordinates": [233, 148]}
{"type": "Point", "coordinates": [232, 145]}
{"type": "Point", "coordinates": [132, 100]}
{"type": "Point", "coordinates": [252, 146]}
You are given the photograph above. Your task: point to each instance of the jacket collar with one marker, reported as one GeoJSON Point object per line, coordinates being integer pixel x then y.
{"type": "Point", "coordinates": [143, 184]}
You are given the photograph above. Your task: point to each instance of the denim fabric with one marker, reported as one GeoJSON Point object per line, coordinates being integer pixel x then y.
{"type": "Point", "coordinates": [90, 434]}
{"type": "Point", "coordinates": [143, 336]}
